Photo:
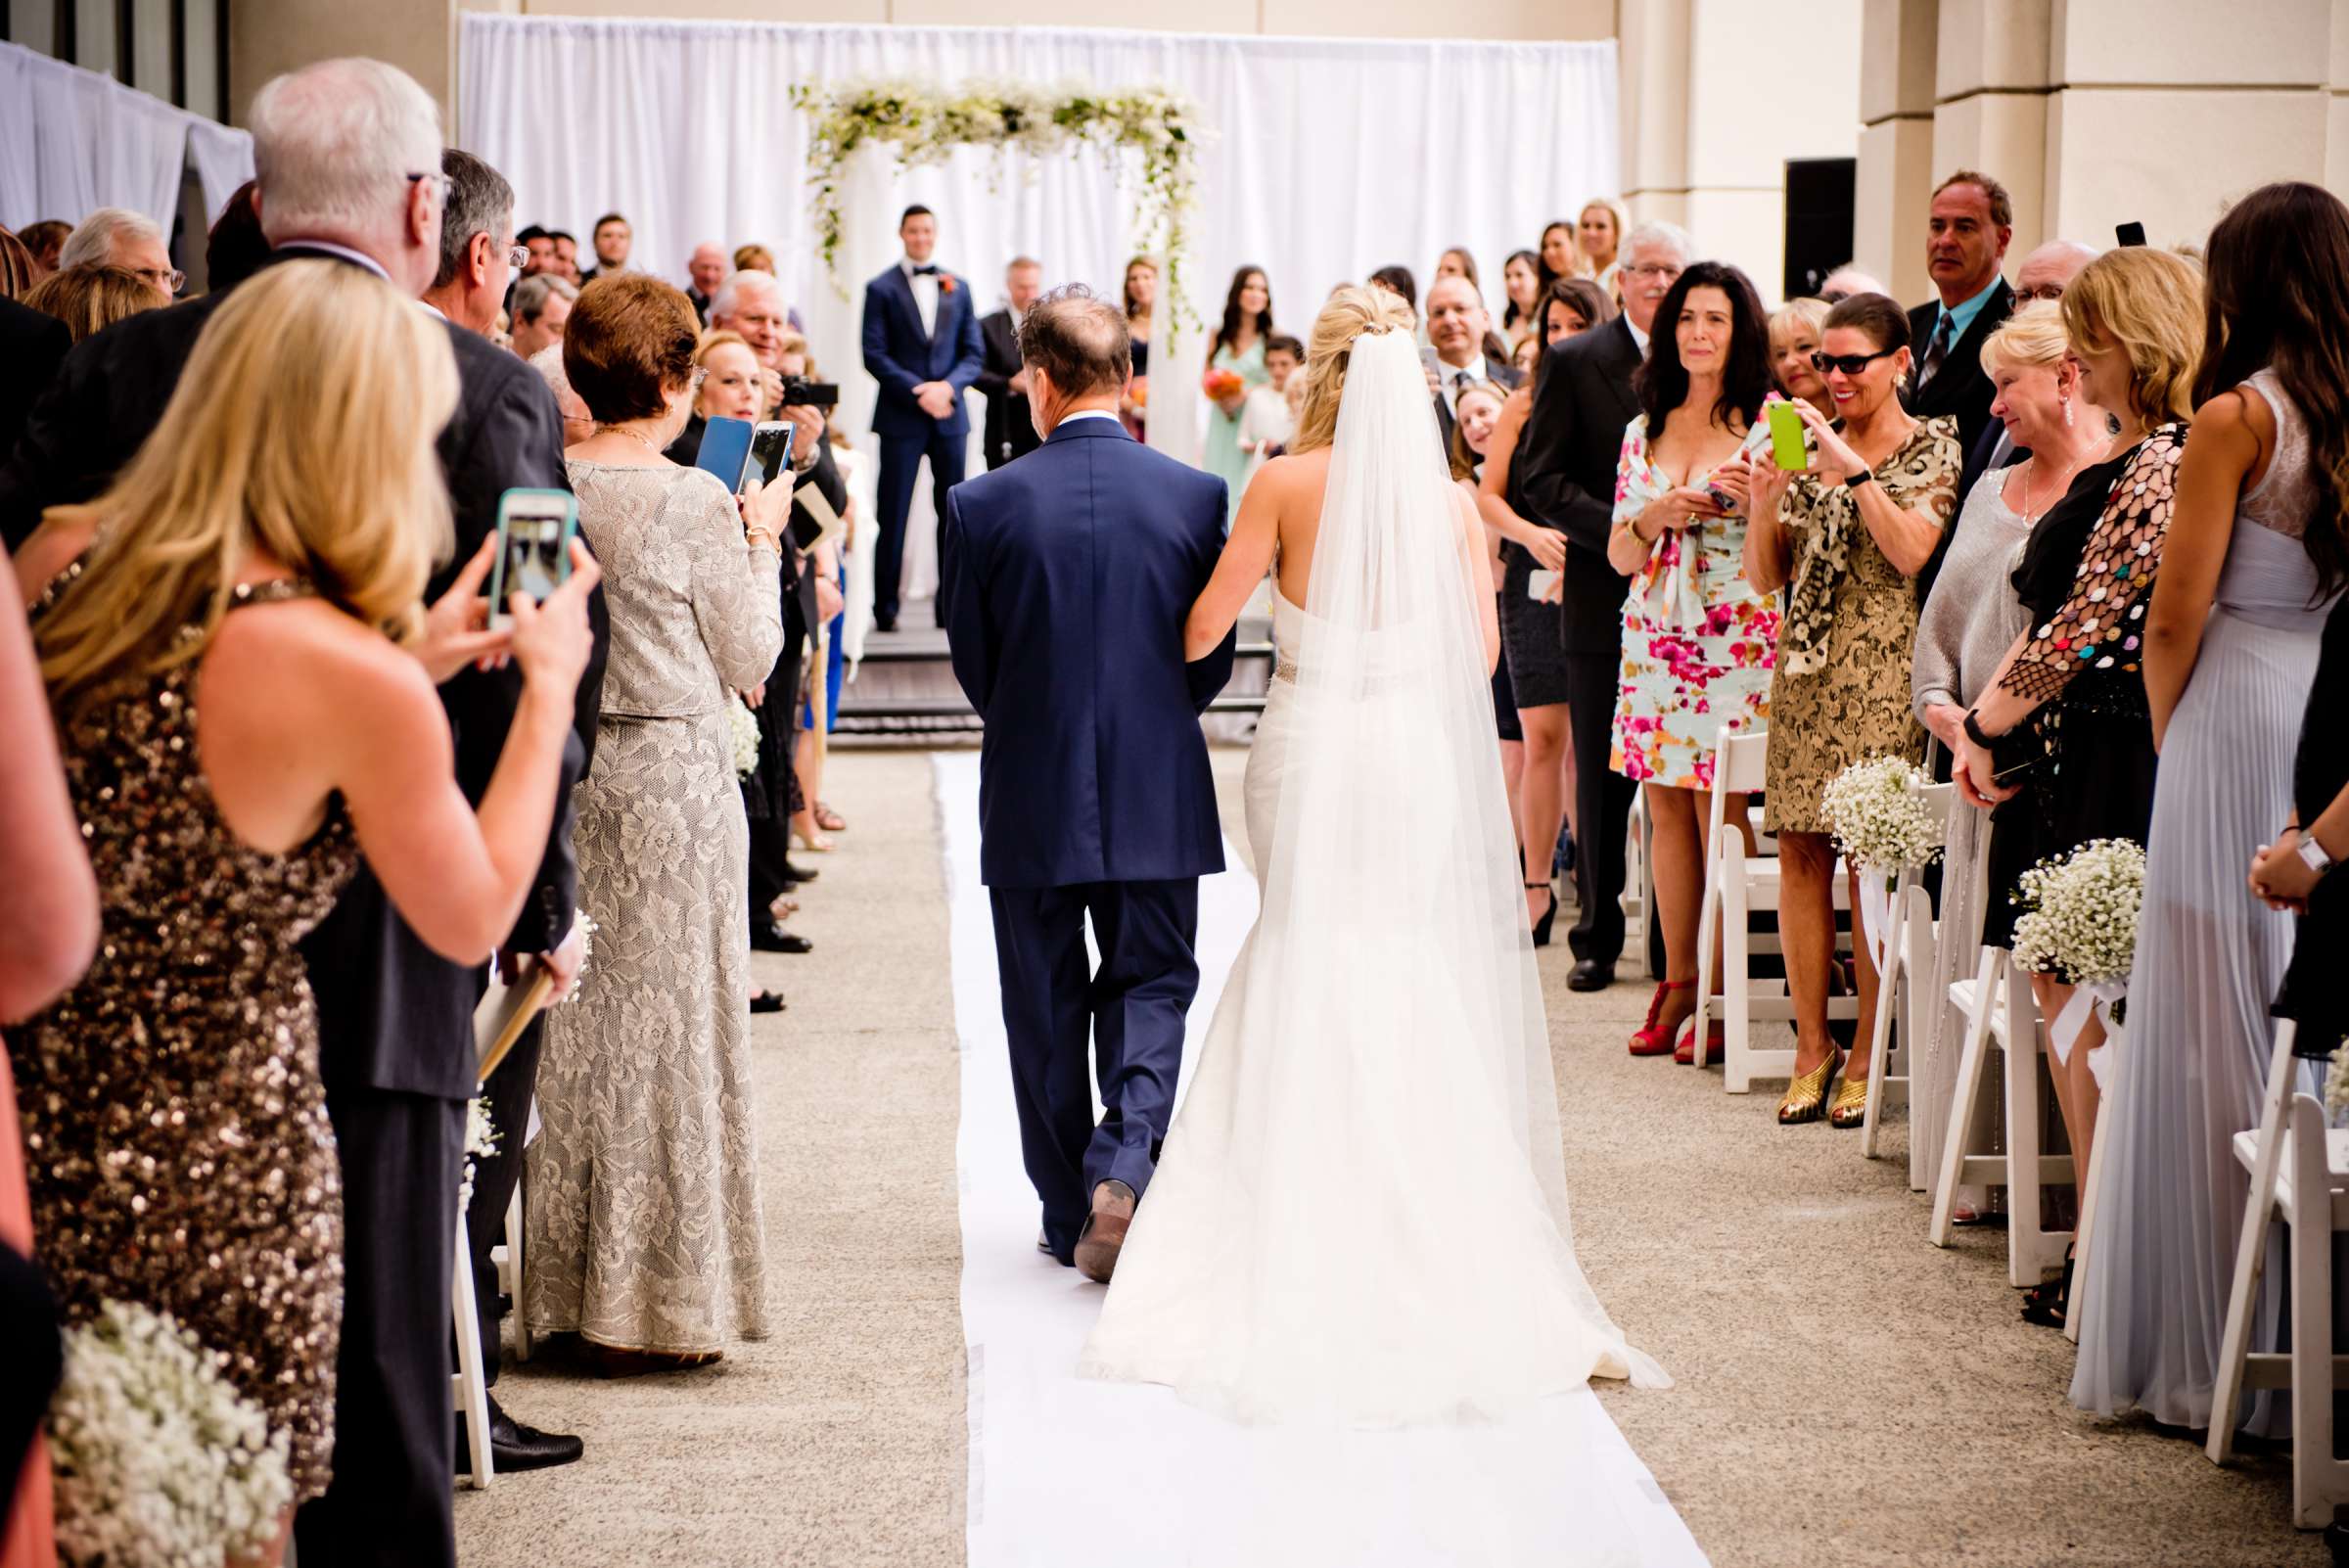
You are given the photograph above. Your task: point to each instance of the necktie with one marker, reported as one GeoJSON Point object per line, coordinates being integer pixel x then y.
{"type": "Point", "coordinates": [1939, 349]}
{"type": "Point", "coordinates": [1461, 382]}
{"type": "Point", "coordinates": [925, 272]}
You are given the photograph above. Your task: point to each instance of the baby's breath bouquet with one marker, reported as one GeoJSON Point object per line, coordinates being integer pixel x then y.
{"type": "Point", "coordinates": [481, 1142]}
{"type": "Point", "coordinates": [159, 1462]}
{"type": "Point", "coordinates": [1878, 817]}
{"type": "Point", "coordinates": [745, 725]}
{"type": "Point", "coordinates": [2080, 918]}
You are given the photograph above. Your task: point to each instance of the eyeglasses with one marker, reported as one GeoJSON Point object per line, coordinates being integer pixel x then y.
{"type": "Point", "coordinates": [1849, 364]}
{"type": "Point", "coordinates": [170, 280]}
{"type": "Point", "coordinates": [442, 183]}
{"type": "Point", "coordinates": [2043, 291]}
{"type": "Point", "coordinates": [1653, 269]}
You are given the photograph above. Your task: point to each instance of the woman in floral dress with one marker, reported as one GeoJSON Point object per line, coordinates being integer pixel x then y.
{"type": "Point", "coordinates": [1698, 640]}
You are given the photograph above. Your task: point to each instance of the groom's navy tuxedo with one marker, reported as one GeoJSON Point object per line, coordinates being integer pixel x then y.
{"type": "Point", "coordinates": [1064, 580]}
{"type": "Point", "coordinates": [902, 354]}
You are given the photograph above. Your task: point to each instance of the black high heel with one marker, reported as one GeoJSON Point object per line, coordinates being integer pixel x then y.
{"type": "Point", "coordinates": [2050, 1304]}
{"type": "Point", "coordinates": [1542, 926]}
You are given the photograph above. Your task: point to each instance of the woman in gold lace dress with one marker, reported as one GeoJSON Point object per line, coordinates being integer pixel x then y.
{"type": "Point", "coordinates": [1847, 536]}
{"type": "Point", "coordinates": [644, 1220]}
{"type": "Point", "coordinates": [264, 552]}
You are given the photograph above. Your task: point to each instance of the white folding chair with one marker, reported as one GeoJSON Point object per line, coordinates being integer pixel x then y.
{"type": "Point", "coordinates": [2299, 1172]}
{"type": "Point", "coordinates": [1736, 885]}
{"type": "Point", "coordinates": [2001, 1014]}
{"type": "Point", "coordinates": [1954, 947]}
{"type": "Point", "coordinates": [1908, 954]}
{"type": "Point", "coordinates": [507, 1258]}
{"type": "Point", "coordinates": [469, 1392]}
{"type": "Point", "coordinates": [1640, 884]}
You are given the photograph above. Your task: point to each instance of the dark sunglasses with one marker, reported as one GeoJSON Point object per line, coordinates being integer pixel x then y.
{"type": "Point", "coordinates": [1849, 364]}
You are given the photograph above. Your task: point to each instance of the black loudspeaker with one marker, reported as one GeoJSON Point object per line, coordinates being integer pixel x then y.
{"type": "Point", "coordinates": [1819, 221]}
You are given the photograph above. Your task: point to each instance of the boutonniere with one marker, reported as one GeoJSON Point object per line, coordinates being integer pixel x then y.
{"type": "Point", "coordinates": [945, 283]}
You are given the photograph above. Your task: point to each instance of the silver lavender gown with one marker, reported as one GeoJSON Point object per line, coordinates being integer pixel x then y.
{"type": "Point", "coordinates": [2209, 959]}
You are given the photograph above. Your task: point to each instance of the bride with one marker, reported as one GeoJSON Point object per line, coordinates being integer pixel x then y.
{"type": "Point", "coordinates": [1361, 1213]}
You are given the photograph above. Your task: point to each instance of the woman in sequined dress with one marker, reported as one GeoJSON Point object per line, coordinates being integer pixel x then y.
{"type": "Point", "coordinates": [265, 550]}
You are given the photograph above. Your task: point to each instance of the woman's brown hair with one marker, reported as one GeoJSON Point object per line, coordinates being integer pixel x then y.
{"type": "Point", "coordinates": [630, 338]}
{"type": "Point", "coordinates": [93, 296]}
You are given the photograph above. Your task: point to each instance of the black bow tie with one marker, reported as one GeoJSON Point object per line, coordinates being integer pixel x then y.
{"type": "Point", "coordinates": [925, 272]}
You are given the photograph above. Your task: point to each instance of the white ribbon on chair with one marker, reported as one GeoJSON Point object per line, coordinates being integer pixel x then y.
{"type": "Point", "coordinates": [1876, 912]}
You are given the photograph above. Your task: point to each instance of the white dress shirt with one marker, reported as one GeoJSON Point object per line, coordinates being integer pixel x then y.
{"type": "Point", "coordinates": [1637, 337]}
{"type": "Point", "coordinates": [1452, 377]}
{"type": "Point", "coordinates": [925, 294]}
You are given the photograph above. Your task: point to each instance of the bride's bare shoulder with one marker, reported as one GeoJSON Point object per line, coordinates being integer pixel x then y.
{"type": "Point", "coordinates": [1297, 474]}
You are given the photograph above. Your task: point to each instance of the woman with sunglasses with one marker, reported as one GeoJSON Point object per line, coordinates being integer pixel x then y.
{"type": "Point", "coordinates": [2061, 742]}
{"type": "Point", "coordinates": [1847, 536]}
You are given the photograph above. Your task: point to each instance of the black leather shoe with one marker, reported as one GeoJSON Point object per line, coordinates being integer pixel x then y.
{"type": "Point", "coordinates": [1588, 974]}
{"type": "Point", "coordinates": [773, 937]}
{"type": "Point", "coordinates": [794, 875]}
{"type": "Point", "coordinates": [882, 622]}
{"type": "Point", "coordinates": [515, 1447]}
{"type": "Point", "coordinates": [767, 1001]}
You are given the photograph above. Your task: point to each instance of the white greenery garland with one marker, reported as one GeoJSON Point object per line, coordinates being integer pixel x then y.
{"type": "Point", "coordinates": [925, 124]}
{"type": "Point", "coordinates": [2081, 911]}
{"type": "Point", "coordinates": [158, 1461]}
{"type": "Point", "coordinates": [1878, 815]}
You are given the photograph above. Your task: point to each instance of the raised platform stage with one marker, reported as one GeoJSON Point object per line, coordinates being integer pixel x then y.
{"type": "Point", "coordinates": [906, 684]}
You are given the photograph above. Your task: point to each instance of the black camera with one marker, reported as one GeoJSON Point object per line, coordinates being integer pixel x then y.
{"type": "Point", "coordinates": [800, 392]}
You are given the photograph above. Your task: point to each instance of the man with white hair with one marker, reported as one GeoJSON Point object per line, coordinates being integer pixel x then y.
{"type": "Point", "coordinates": [348, 161]}
{"type": "Point", "coordinates": [705, 270]}
{"type": "Point", "coordinates": [1568, 454]}
{"type": "Point", "coordinates": [1848, 280]}
{"type": "Point", "coordinates": [117, 236]}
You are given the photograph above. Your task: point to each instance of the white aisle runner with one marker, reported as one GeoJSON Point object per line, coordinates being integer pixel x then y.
{"type": "Point", "coordinates": [1096, 1475]}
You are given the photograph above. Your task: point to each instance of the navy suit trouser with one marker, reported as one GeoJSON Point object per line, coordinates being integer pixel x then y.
{"type": "Point", "coordinates": [901, 460]}
{"type": "Point", "coordinates": [1132, 1010]}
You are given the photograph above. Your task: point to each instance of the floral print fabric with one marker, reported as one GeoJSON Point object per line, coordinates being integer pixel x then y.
{"type": "Point", "coordinates": [1698, 642]}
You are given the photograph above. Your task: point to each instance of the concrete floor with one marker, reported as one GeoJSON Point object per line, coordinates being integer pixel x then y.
{"type": "Point", "coordinates": [1847, 1394]}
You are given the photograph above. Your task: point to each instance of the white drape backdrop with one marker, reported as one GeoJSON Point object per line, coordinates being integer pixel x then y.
{"type": "Point", "coordinates": [1327, 158]}
{"type": "Point", "coordinates": [73, 140]}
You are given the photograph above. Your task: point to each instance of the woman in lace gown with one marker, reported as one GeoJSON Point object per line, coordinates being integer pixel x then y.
{"type": "Point", "coordinates": [2256, 555]}
{"type": "Point", "coordinates": [263, 551]}
{"type": "Point", "coordinates": [644, 1229]}
{"type": "Point", "coordinates": [1360, 1215]}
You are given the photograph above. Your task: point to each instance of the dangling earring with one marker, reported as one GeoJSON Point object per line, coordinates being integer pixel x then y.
{"type": "Point", "coordinates": [2067, 412]}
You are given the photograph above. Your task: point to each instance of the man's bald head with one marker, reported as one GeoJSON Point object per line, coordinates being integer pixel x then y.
{"type": "Point", "coordinates": [2049, 270]}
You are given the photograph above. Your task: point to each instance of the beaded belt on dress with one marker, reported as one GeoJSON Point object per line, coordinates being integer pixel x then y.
{"type": "Point", "coordinates": [1285, 669]}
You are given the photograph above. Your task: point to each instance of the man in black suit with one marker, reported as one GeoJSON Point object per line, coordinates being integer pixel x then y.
{"type": "Point", "coordinates": [394, 1018]}
{"type": "Point", "coordinates": [1457, 324]}
{"type": "Point", "coordinates": [33, 345]}
{"type": "Point", "coordinates": [1967, 230]}
{"type": "Point", "coordinates": [705, 270]}
{"type": "Point", "coordinates": [1565, 477]}
{"type": "Point", "coordinates": [1010, 430]}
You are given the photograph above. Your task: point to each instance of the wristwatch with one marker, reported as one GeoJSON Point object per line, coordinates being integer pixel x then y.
{"type": "Point", "coordinates": [2312, 854]}
{"type": "Point", "coordinates": [1863, 477]}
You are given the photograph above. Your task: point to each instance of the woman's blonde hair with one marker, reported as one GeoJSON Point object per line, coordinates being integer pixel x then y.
{"type": "Point", "coordinates": [1353, 310]}
{"type": "Point", "coordinates": [1623, 229]}
{"type": "Point", "coordinates": [717, 338]}
{"type": "Point", "coordinates": [303, 428]}
{"type": "Point", "coordinates": [1801, 311]}
{"type": "Point", "coordinates": [2148, 302]}
{"type": "Point", "coordinates": [92, 296]}
{"type": "Point", "coordinates": [2032, 339]}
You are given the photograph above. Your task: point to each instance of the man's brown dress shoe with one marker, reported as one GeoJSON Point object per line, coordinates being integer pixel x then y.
{"type": "Point", "coordinates": [1104, 1232]}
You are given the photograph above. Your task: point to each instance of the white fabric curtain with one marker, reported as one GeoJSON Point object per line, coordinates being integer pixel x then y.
{"type": "Point", "coordinates": [73, 140]}
{"type": "Point", "coordinates": [1328, 157]}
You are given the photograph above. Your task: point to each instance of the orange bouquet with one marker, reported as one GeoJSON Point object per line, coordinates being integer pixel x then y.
{"type": "Point", "coordinates": [1220, 385]}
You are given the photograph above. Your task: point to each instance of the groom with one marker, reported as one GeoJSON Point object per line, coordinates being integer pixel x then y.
{"type": "Point", "coordinates": [1065, 578]}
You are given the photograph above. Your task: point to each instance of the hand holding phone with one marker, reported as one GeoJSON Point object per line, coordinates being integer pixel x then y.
{"type": "Point", "coordinates": [1786, 437]}
{"type": "Point", "coordinates": [535, 533]}
{"type": "Point", "coordinates": [552, 640]}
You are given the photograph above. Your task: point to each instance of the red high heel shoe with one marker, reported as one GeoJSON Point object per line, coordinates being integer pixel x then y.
{"type": "Point", "coordinates": [1717, 1043]}
{"type": "Point", "coordinates": [1648, 1040]}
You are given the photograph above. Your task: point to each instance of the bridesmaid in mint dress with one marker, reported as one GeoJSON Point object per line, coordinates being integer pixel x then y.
{"type": "Point", "coordinates": [1239, 347]}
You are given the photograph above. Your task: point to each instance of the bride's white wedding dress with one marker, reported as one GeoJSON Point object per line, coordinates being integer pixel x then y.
{"type": "Point", "coordinates": [1359, 1212]}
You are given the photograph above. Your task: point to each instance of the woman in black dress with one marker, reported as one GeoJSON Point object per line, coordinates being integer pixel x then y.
{"type": "Point", "coordinates": [2287, 874]}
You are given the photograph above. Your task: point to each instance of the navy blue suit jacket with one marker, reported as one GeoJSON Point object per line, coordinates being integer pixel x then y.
{"type": "Point", "coordinates": [901, 357]}
{"type": "Point", "coordinates": [1065, 577]}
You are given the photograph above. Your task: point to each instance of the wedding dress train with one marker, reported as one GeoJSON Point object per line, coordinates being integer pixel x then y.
{"type": "Point", "coordinates": [1360, 1214]}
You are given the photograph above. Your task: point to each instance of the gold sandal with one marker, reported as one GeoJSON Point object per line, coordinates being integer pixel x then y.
{"type": "Point", "coordinates": [1809, 1093]}
{"type": "Point", "coordinates": [1850, 1108]}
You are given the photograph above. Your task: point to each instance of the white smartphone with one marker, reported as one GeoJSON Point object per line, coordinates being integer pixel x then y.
{"type": "Point", "coordinates": [1540, 584]}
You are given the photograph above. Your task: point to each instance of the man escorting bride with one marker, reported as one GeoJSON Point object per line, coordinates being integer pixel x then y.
{"type": "Point", "coordinates": [1361, 1214]}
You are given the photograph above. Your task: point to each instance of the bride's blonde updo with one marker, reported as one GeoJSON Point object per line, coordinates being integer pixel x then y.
{"type": "Point", "coordinates": [1352, 311]}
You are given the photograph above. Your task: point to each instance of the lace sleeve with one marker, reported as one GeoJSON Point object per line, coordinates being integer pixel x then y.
{"type": "Point", "coordinates": [2103, 622]}
{"type": "Point", "coordinates": [737, 592]}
